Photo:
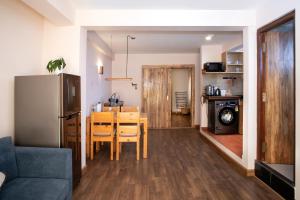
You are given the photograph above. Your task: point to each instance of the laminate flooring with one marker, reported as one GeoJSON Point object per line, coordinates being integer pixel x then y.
{"type": "Point", "coordinates": [179, 120]}
{"type": "Point", "coordinates": [180, 166]}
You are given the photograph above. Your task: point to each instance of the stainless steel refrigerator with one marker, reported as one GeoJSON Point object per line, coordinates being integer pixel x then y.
{"type": "Point", "coordinates": [47, 114]}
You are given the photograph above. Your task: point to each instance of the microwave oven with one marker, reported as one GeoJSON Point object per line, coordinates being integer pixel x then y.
{"type": "Point", "coordinates": [214, 67]}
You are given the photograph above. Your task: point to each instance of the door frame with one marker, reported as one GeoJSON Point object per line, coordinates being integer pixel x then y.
{"type": "Point", "coordinates": [178, 66]}
{"type": "Point", "coordinates": [261, 80]}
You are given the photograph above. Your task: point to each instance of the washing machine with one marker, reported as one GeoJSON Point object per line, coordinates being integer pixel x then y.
{"type": "Point", "coordinates": [223, 116]}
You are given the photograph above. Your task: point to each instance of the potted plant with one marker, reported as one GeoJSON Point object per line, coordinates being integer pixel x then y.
{"type": "Point", "coordinates": [58, 64]}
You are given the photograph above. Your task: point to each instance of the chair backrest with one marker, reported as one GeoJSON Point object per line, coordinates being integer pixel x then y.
{"type": "Point", "coordinates": [102, 122]}
{"type": "Point", "coordinates": [130, 109]}
{"type": "Point", "coordinates": [128, 123]}
{"type": "Point", "coordinates": [111, 109]}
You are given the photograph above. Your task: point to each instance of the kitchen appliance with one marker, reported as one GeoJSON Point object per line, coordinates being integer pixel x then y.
{"type": "Point", "coordinates": [209, 90]}
{"type": "Point", "coordinates": [217, 92]}
{"type": "Point", "coordinates": [223, 92]}
{"type": "Point", "coordinates": [47, 114]}
{"type": "Point", "coordinates": [114, 99]}
{"type": "Point", "coordinates": [214, 67]}
{"type": "Point", "coordinates": [223, 116]}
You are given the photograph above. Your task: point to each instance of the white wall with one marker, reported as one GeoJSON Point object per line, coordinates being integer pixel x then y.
{"type": "Point", "coordinates": [97, 88]}
{"type": "Point", "coordinates": [277, 9]}
{"type": "Point", "coordinates": [181, 82]}
{"type": "Point", "coordinates": [132, 96]}
{"type": "Point", "coordinates": [62, 41]}
{"type": "Point", "coordinates": [250, 97]}
{"type": "Point", "coordinates": [56, 11]}
{"type": "Point", "coordinates": [21, 31]}
{"type": "Point", "coordinates": [154, 18]}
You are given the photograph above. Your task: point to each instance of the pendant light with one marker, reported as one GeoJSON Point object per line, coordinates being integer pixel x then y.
{"type": "Point", "coordinates": [126, 77]}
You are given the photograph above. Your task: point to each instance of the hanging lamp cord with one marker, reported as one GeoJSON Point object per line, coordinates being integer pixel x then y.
{"type": "Point", "coordinates": [127, 56]}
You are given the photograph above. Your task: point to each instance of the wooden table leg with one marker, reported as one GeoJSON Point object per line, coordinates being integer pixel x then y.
{"type": "Point", "coordinates": [88, 137]}
{"type": "Point", "coordinates": [145, 151]}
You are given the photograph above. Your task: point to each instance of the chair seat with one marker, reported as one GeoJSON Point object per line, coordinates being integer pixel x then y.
{"type": "Point", "coordinates": [128, 134]}
{"type": "Point", "coordinates": [35, 189]}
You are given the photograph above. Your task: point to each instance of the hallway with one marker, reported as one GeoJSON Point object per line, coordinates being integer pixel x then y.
{"type": "Point", "coordinates": [180, 166]}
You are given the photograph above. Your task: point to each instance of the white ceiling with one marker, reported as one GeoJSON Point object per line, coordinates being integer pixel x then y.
{"type": "Point", "coordinates": [166, 41]}
{"type": "Point", "coordinates": [168, 4]}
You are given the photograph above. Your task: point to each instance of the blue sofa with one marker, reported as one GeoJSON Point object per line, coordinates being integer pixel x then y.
{"type": "Point", "coordinates": [35, 173]}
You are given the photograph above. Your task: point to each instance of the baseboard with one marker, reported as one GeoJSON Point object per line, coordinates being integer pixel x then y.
{"type": "Point", "coordinates": [250, 172]}
{"type": "Point", "coordinates": [237, 166]}
{"type": "Point", "coordinates": [197, 126]}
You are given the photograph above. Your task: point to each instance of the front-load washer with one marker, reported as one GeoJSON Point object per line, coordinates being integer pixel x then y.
{"type": "Point", "coordinates": [223, 116]}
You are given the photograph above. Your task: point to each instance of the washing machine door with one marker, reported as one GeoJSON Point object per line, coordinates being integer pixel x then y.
{"type": "Point", "coordinates": [227, 116]}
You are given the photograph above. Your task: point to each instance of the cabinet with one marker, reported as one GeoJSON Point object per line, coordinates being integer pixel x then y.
{"type": "Point", "coordinates": [233, 61]}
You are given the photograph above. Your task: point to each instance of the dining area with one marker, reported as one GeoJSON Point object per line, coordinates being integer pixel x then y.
{"type": "Point", "coordinates": [117, 126]}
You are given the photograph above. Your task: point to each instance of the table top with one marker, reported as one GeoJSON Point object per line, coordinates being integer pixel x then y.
{"type": "Point", "coordinates": [143, 116]}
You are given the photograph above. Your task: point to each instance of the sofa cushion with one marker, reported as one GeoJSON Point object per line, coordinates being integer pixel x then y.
{"type": "Point", "coordinates": [8, 163]}
{"type": "Point", "coordinates": [35, 189]}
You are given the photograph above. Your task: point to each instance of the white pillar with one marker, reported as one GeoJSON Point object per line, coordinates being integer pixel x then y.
{"type": "Point", "coordinates": [250, 95]}
{"type": "Point", "coordinates": [297, 90]}
{"type": "Point", "coordinates": [82, 70]}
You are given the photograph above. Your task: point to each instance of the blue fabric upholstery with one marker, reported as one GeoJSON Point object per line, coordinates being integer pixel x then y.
{"type": "Point", "coordinates": [40, 173]}
{"type": "Point", "coordinates": [35, 189]}
{"type": "Point", "coordinates": [44, 162]}
{"type": "Point", "coordinates": [8, 163]}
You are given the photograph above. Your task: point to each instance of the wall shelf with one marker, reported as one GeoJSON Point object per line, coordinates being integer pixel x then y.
{"type": "Point", "coordinates": [204, 72]}
{"type": "Point", "coordinates": [234, 64]}
{"type": "Point", "coordinates": [222, 97]}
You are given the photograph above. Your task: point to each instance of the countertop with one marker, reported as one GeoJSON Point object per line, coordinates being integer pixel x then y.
{"type": "Point", "coordinates": [222, 97]}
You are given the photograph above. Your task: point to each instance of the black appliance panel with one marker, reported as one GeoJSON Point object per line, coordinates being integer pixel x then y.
{"type": "Point", "coordinates": [214, 67]}
{"type": "Point", "coordinates": [70, 94]}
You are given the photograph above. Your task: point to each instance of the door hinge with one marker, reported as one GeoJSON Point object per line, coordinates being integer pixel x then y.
{"type": "Point", "coordinates": [264, 97]}
{"type": "Point", "coordinates": [263, 147]}
{"type": "Point", "coordinates": [264, 47]}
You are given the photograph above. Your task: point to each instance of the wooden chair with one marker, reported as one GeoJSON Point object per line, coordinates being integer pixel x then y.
{"type": "Point", "coordinates": [102, 130]}
{"type": "Point", "coordinates": [130, 109]}
{"type": "Point", "coordinates": [111, 109]}
{"type": "Point", "coordinates": [128, 130]}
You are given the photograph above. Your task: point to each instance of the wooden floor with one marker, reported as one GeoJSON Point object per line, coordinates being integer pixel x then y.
{"type": "Point", "coordinates": [180, 166]}
{"type": "Point", "coordinates": [179, 120]}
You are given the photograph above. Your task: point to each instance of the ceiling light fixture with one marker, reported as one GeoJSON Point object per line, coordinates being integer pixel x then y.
{"type": "Point", "coordinates": [209, 37]}
{"type": "Point", "coordinates": [126, 77]}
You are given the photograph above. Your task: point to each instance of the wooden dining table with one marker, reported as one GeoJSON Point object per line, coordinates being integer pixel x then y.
{"type": "Point", "coordinates": [143, 121]}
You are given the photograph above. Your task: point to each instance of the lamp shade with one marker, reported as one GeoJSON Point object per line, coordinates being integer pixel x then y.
{"type": "Point", "coordinates": [100, 70]}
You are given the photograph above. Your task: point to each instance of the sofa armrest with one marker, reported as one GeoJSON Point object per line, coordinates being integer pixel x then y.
{"type": "Point", "coordinates": [38, 162]}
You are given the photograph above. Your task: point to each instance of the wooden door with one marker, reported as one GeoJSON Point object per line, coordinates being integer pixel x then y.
{"type": "Point", "coordinates": [277, 98]}
{"type": "Point", "coordinates": [156, 96]}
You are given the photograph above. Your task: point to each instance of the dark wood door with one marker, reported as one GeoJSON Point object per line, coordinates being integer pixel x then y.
{"type": "Point", "coordinates": [277, 94]}
{"type": "Point", "coordinates": [156, 96]}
